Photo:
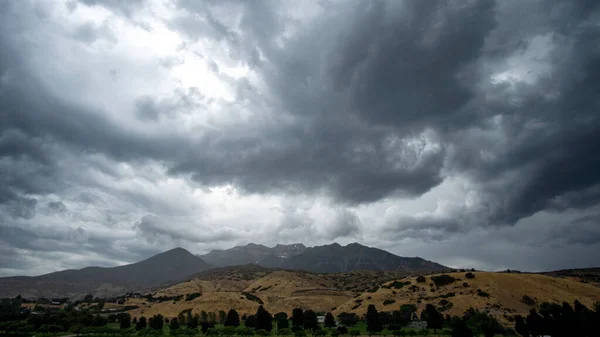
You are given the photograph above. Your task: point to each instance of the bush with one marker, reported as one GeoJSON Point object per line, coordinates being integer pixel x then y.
{"type": "Point", "coordinates": [243, 331]}
{"type": "Point", "coordinates": [354, 332]}
{"type": "Point", "coordinates": [421, 279]}
{"type": "Point", "coordinates": [300, 333]}
{"type": "Point", "coordinates": [482, 293]}
{"type": "Point", "coordinates": [442, 280]}
{"type": "Point", "coordinates": [528, 300]}
{"type": "Point", "coordinates": [192, 296]}
{"type": "Point", "coordinates": [388, 302]}
{"type": "Point", "coordinates": [470, 275]}
{"type": "Point", "coordinates": [334, 333]}
{"type": "Point", "coordinates": [465, 284]}
{"type": "Point", "coordinates": [262, 332]}
{"type": "Point", "coordinates": [253, 297]}
{"type": "Point", "coordinates": [284, 332]}
{"type": "Point", "coordinates": [319, 332]}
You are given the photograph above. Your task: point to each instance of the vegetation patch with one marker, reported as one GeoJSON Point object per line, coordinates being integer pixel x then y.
{"type": "Point", "coordinates": [470, 275]}
{"type": "Point", "coordinates": [253, 297]}
{"type": "Point", "coordinates": [445, 305]}
{"type": "Point", "coordinates": [192, 296]}
{"type": "Point", "coordinates": [421, 279]}
{"type": "Point", "coordinates": [442, 280]}
{"type": "Point", "coordinates": [482, 293]}
{"type": "Point", "coordinates": [528, 300]}
{"type": "Point", "coordinates": [388, 302]}
{"type": "Point", "coordinates": [448, 295]}
{"type": "Point", "coordinates": [396, 285]}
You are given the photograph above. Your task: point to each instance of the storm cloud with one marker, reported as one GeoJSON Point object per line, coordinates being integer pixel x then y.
{"type": "Point", "coordinates": [421, 127]}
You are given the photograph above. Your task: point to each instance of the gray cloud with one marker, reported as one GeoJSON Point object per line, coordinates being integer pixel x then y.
{"type": "Point", "coordinates": [360, 104]}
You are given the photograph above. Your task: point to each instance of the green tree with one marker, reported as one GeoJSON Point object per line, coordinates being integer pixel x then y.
{"type": "Point", "coordinates": [232, 319]}
{"type": "Point", "coordinates": [174, 325]}
{"type": "Point", "coordinates": [264, 320]}
{"type": "Point", "coordinates": [521, 326]}
{"type": "Point", "coordinates": [373, 320]}
{"type": "Point", "coordinates": [124, 320]}
{"type": "Point", "coordinates": [348, 318]}
{"type": "Point", "coordinates": [311, 322]}
{"type": "Point", "coordinates": [222, 316]}
{"type": "Point", "coordinates": [435, 320]}
{"type": "Point", "coordinates": [141, 323]}
{"type": "Point", "coordinates": [251, 322]}
{"type": "Point", "coordinates": [460, 328]}
{"type": "Point", "coordinates": [282, 324]}
{"type": "Point", "coordinates": [156, 322]}
{"type": "Point", "coordinates": [329, 320]}
{"type": "Point", "coordinates": [193, 321]}
{"type": "Point", "coordinates": [297, 319]}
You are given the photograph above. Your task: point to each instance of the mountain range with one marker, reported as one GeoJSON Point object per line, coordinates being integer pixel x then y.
{"type": "Point", "coordinates": [178, 264]}
{"type": "Point", "coordinates": [332, 258]}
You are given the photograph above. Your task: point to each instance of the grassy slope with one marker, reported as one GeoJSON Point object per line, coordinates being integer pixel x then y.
{"type": "Point", "coordinates": [284, 290]}
{"type": "Point", "coordinates": [505, 290]}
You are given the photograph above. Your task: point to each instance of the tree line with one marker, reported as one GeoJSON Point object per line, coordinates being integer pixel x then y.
{"type": "Point", "coordinates": [550, 319]}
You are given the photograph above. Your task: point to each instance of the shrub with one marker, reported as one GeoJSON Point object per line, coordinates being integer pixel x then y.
{"type": "Point", "coordinates": [470, 275]}
{"type": "Point", "coordinates": [334, 333]}
{"type": "Point", "coordinates": [465, 284]}
{"type": "Point", "coordinates": [528, 300]}
{"type": "Point", "coordinates": [482, 293]}
{"type": "Point", "coordinates": [191, 296]}
{"type": "Point", "coordinates": [354, 332]}
{"type": "Point", "coordinates": [284, 332]}
{"type": "Point", "coordinates": [421, 279]}
{"type": "Point", "coordinates": [319, 332]}
{"type": "Point", "coordinates": [300, 333]}
{"type": "Point", "coordinates": [253, 297]}
{"type": "Point", "coordinates": [262, 332]}
{"type": "Point", "coordinates": [397, 333]}
{"type": "Point", "coordinates": [442, 280]}
{"type": "Point", "coordinates": [388, 302]}
{"type": "Point", "coordinates": [448, 295]}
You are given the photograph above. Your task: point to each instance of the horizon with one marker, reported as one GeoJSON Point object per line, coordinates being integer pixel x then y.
{"type": "Point", "coordinates": [461, 133]}
{"type": "Point", "coordinates": [251, 243]}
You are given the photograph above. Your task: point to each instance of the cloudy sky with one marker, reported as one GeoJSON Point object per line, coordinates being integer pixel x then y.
{"type": "Point", "coordinates": [464, 132]}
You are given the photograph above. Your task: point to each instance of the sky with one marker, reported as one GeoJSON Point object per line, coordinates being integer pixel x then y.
{"type": "Point", "coordinates": [463, 132]}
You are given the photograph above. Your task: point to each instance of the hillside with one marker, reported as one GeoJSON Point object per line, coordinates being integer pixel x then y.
{"type": "Point", "coordinates": [332, 258]}
{"type": "Point", "coordinates": [244, 288]}
{"type": "Point", "coordinates": [499, 293]}
{"type": "Point", "coordinates": [173, 265]}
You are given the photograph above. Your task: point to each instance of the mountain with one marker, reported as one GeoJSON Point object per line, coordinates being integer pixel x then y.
{"type": "Point", "coordinates": [170, 266]}
{"type": "Point", "coordinates": [332, 258]}
{"type": "Point", "coordinates": [254, 254]}
{"type": "Point", "coordinates": [335, 258]}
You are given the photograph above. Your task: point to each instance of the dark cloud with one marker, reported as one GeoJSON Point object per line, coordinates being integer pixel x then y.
{"type": "Point", "coordinates": [366, 102]}
{"type": "Point", "coordinates": [154, 228]}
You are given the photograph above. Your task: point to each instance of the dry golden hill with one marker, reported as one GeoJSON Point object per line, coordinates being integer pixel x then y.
{"type": "Point", "coordinates": [245, 288]}
{"type": "Point", "coordinates": [499, 293]}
